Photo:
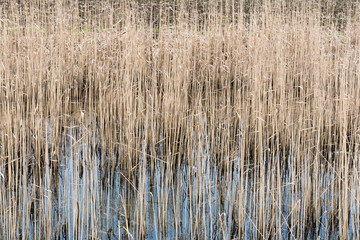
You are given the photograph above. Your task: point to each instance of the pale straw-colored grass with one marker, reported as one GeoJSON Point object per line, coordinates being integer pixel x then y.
{"type": "Point", "coordinates": [200, 120]}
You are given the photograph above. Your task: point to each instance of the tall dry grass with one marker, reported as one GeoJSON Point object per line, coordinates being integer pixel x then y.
{"type": "Point", "coordinates": [201, 120]}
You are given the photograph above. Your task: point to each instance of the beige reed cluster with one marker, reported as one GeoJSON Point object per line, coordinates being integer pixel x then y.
{"type": "Point", "coordinates": [179, 119]}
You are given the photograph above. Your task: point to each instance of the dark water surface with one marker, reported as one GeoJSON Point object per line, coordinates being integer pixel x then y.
{"type": "Point", "coordinates": [86, 198]}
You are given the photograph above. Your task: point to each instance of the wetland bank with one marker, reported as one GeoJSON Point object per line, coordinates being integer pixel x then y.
{"type": "Point", "coordinates": [179, 119]}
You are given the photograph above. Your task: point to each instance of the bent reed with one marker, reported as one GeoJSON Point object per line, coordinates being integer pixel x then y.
{"type": "Point", "coordinates": [179, 119]}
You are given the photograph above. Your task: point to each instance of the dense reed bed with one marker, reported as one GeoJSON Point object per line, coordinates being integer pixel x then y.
{"type": "Point", "coordinates": [186, 120]}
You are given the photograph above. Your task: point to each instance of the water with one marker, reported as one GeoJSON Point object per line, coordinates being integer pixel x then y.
{"type": "Point", "coordinates": [157, 199]}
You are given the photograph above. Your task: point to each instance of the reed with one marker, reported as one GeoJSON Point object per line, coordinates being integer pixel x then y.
{"type": "Point", "coordinates": [179, 119]}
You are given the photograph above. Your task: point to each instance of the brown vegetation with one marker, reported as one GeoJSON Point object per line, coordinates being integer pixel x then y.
{"type": "Point", "coordinates": [214, 120]}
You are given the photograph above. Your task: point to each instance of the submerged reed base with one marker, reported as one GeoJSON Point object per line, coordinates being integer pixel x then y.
{"type": "Point", "coordinates": [212, 120]}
